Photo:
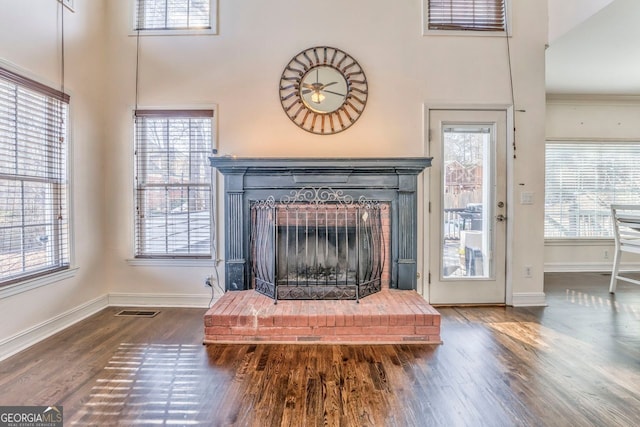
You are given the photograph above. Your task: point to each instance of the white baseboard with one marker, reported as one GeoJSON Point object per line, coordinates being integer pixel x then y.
{"type": "Point", "coordinates": [159, 300]}
{"type": "Point", "coordinates": [588, 267]}
{"type": "Point", "coordinates": [529, 299]}
{"type": "Point", "coordinates": [22, 340]}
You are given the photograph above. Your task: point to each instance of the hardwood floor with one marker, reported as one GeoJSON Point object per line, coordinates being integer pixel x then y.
{"type": "Point", "coordinates": [573, 363]}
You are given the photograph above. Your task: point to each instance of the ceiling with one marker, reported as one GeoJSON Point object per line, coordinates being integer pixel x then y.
{"type": "Point", "coordinates": [594, 47]}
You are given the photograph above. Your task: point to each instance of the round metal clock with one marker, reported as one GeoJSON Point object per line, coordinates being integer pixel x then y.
{"type": "Point", "coordinates": [323, 90]}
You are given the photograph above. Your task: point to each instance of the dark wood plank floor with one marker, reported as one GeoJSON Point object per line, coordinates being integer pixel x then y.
{"type": "Point", "coordinates": [573, 363]}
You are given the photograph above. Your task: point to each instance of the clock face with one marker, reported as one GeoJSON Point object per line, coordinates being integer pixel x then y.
{"type": "Point", "coordinates": [323, 90]}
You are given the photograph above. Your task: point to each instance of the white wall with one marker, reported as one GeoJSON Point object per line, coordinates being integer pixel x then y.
{"type": "Point", "coordinates": [565, 15]}
{"type": "Point", "coordinates": [599, 118]}
{"type": "Point", "coordinates": [239, 71]}
{"type": "Point", "coordinates": [30, 36]}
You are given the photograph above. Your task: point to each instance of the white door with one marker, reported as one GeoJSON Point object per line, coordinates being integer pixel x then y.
{"type": "Point", "coordinates": [467, 206]}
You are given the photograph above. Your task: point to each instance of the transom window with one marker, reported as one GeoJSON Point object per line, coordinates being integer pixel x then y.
{"type": "Point", "coordinates": [34, 227]}
{"type": "Point", "coordinates": [173, 183]}
{"type": "Point", "coordinates": [173, 14]}
{"type": "Point", "coordinates": [582, 181]}
{"type": "Point", "coordinates": [466, 15]}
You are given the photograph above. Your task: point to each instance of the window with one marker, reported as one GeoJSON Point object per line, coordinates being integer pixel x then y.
{"type": "Point", "coordinates": [466, 15]}
{"type": "Point", "coordinates": [582, 180]}
{"type": "Point", "coordinates": [34, 230]}
{"type": "Point", "coordinates": [173, 183]}
{"type": "Point", "coordinates": [173, 15]}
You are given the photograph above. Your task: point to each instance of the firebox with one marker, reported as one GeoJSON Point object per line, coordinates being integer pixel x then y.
{"type": "Point", "coordinates": [301, 228]}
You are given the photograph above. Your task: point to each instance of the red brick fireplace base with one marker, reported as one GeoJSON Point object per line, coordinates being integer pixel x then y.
{"type": "Point", "coordinates": [389, 316]}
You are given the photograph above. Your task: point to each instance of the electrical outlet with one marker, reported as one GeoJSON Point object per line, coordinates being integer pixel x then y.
{"type": "Point", "coordinates": [208, 282]}
{"type": "Point", "coordinates": [606, 254]}
{"type": "Point", "coordinates": [526, 271]}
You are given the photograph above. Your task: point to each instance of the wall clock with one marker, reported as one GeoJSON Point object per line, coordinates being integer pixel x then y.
{"type": "Point", "coordinates": [323, 90]}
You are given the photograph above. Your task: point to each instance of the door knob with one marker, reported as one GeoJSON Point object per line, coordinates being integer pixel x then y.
{"type": "Point", "coordinates": [501, 218]}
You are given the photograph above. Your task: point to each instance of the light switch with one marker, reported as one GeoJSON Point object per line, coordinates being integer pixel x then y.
{"type": "Point", "coordinates": [526, 198]}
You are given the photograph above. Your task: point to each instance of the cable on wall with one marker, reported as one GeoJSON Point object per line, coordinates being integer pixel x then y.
{"type": "Point", "coordinates": [61, 6]}
{"type": "Point", "coordinates": [214, 228]}
{"type": "Point", "coordinates": [137, 84]}
{"type": "Point", "coordinates": [61, 130]}
{"type": "Point", "coordinates": [513, 99]}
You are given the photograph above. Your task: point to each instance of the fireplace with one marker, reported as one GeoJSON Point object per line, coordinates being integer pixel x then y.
{"type": "Point", "coordinates": [320, 228]}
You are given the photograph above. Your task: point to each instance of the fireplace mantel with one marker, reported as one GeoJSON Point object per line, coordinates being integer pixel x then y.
{"type": "Point", "coordinates": [390, 179]}
{"type": "Point", "coordinates": [290, 166]}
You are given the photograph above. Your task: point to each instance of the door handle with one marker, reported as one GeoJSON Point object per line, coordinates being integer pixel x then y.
{"type": "Point", "coordinates": [501, 218]}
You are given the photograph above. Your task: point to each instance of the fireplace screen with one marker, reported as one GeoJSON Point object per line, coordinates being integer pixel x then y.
{"type": "Point", "coordinates": [317, 244]}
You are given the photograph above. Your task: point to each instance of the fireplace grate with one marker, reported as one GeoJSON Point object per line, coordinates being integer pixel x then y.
{"type": "Point", "coordinates": [317, 243]}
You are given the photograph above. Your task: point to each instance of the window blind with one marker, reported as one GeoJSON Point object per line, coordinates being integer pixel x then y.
{"type": "Point", "coordinates": [475, 15]}
{"type": "Point", "coordinates": [34, 228]}
{"type": "Point", "coordinates": [173, 14]}
{"type": "Point", "coordinates": [173, 183]}
{"type": "Point", "coordinates": [582, 180]}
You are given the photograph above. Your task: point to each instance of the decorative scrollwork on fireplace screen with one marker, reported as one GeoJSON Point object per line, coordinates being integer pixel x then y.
{"type": "Point", "coordinates": [318, 243]}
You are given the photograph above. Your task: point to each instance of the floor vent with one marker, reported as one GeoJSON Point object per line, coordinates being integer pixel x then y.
{"type": "Point", "coordinates": [138, 313]}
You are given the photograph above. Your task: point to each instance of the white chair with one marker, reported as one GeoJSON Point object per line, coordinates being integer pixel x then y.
{"type": "Point", "coordinates": [626, 231]}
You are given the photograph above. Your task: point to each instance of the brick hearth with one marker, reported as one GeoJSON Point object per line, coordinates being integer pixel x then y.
{"type": "Point", "coordinates": [389, 316]}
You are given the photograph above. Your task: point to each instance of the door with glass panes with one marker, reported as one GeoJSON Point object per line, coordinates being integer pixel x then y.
{"type": "Point", "coordinates": [467, 219]}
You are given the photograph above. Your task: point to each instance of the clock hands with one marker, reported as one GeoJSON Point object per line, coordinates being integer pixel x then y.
{"type": "Point", "coordinates": [316, 89]}
{"type": "Point", "coordinates": [335, 93]}
{"type": "Point", "coordinates": [317, 86]}
{"type": "Point", "coordinates": [304, 92]}
{"type": "Point", "coordinates": [328, 84]}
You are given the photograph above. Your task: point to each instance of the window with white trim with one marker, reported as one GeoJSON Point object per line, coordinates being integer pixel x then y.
{"type": "Point", "coordinates": [582, 181]}
{"type": "Point", "coordinates": [173, 183]}
{"type": "Point", "coordinates": [174, 14]}
{"type": "Point", "coordinates": [466, 15]}
{"type": "Point", "coordinates": [34, 227]}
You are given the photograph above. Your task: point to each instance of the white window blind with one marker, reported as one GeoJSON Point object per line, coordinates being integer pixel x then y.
{"type": "Point", "coordinates": [34, 230]}
{"type": "Point", "coordinates": [173, 14]}
{"type": "Point", "coordinates": [475, 15]}
{"type": "Point", "coordinates": [582, 180]}
{"type": "Point", "coordinates": [173, 183]}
